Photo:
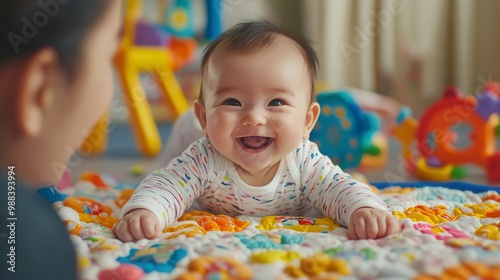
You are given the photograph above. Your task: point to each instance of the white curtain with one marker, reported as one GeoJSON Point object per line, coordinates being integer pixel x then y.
{"type": "Point", "coordinates": [408, 49]}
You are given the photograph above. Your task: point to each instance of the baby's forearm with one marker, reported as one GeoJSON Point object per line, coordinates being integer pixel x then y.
{"type": "Point", "coordinates": [345, 195]}
{"type": "Point", "coordinates": [141, 203]}
{"type": "Point", "coordinates": [160, 202]}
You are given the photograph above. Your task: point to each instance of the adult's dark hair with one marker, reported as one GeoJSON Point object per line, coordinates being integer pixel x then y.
{"type": "Point", "coordinates": [254, 35]}
{"type": "Point", "coordinates": [26, 26]}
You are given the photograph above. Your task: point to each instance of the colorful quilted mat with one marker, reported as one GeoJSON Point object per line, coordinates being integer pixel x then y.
{"type": "Point", "coordinates": [447, 234]}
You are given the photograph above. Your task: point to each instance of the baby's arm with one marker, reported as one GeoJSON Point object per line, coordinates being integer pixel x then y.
{"type": "Point", "coordinates": [354, 205]}
{"type": "Point", "coordinates": [165, 194]}
{"type": "Point", "coordinates": [347, 201]}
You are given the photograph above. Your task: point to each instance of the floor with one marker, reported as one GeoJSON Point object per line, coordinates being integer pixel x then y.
{"type": "Point", "coordinates": [122, 155]}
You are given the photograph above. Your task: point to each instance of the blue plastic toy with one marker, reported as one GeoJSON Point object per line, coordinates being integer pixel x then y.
{"type": "Point", "coordinates": [344, 132]}
{"type": "Point", "coordinates": [214, 19]}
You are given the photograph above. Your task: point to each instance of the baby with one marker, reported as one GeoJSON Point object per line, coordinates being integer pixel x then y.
{"type": "Point", "coordinates": [256, 109]}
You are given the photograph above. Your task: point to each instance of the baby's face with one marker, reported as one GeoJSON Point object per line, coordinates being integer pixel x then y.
{"type": "Point", "coordinates": [257, 106]}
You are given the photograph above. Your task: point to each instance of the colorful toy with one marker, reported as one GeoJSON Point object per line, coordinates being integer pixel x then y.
{"type": "Point", "coordinates": [159, 50]}
{"type": "Point", "coordinates": [214, 19]}
{"type": "Point", "coordinates": [345, 132]}
{"type": "Point", "coordinates": [148, 34]}
{"type": "Point", "coordinates": [439, 156]}
{"type": "Point", "coordinates": [97, 138]}
{"type": "Point", "coordinates": [179, 18]}
{"type": "Point", "coordinates": [161, 62]}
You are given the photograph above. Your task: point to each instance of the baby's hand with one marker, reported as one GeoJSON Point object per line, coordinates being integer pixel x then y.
{"type": "Point", "coordinates": [371, 223]}
{"type": "Point", "coordinates": [137, 224]}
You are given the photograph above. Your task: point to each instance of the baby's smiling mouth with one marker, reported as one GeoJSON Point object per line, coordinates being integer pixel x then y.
{"type": "Point", "coordinates": [255, 142]}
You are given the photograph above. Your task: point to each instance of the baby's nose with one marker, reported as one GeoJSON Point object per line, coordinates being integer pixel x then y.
{"type": "Point", "coordinates": [254, 117]}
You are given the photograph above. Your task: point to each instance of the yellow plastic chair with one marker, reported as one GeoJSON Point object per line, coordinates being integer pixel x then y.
{"type": "Point", "coordinates": [130, 61]}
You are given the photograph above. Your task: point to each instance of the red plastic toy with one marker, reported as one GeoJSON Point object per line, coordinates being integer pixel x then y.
{"type": "Point", "coordinates": [439, 158]}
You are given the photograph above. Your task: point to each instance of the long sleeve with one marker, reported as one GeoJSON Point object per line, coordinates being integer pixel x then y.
{"type": "Point", "coordinates": [331, 190]}
{"type": "Point", "coordinates": [168, 192]}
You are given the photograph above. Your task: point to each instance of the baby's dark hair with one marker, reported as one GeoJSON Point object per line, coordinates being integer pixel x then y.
{"type": "Point", "coordinates": [27, 26]}
{"type": "Point", "coordinates": [254, 35]}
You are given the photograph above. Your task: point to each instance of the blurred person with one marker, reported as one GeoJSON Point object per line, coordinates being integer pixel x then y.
{"type": "Point", "coordinates": [56, 82]}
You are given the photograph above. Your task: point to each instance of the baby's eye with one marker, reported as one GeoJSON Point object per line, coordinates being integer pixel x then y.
{"type": "Point", "coordinates": [276, 102]}
{"type": "Point", "coordinates": [232, 102]}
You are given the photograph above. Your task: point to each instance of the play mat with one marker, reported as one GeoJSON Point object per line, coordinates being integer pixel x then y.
{"type": "Point", "coordinates": [448, 233]}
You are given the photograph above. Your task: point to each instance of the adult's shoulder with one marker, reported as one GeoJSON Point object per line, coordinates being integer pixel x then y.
{"type": "Point", "coordinates": [41, 243]}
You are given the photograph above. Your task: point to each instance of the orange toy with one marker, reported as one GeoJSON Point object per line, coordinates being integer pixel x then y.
{"type": "Point", "coordinates": [454, 109]}
{"type": "Point", "coordinates": [439, 158]}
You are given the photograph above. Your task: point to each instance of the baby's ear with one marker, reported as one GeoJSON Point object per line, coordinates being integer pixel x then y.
{"type": "Point", "coordinates": [311, 118]}
{"type": "Point", "coordinates": [199, 111]}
